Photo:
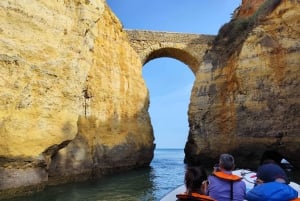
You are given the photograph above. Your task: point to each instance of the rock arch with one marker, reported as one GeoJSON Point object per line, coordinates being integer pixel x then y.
{"type": "Point", "coordinates": [187, 48]}
{"type": "Point", "coordinates": [178, 54]}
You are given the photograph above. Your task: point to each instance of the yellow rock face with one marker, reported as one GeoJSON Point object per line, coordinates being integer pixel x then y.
{"type": "Point", "coordinates": [67, 67]}
{"type": "Point", "coordinates": [42, 75]}
{"type": "Point", "coordinates": [249, 102]}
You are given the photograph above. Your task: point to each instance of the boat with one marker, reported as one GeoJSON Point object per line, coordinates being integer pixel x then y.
{"type": "Point", "coordinates": [248, 176]}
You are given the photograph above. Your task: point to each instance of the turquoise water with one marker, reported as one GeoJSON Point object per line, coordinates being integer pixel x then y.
{"type": "Point", "coordinates": [148, 184]}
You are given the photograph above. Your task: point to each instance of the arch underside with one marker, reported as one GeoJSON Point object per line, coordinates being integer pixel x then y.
{"type": "Point", "coordinates": [175, 53]}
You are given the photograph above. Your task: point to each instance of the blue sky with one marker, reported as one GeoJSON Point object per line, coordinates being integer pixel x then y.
{"type": "Point", "coordinates": [170, 81]}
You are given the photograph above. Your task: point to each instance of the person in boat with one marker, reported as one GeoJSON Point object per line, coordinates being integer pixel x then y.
{"type": "Point", "coordinates": [271, 184]}
{"type": "Point", "coordinates": [222, 184]}
{"type": "Point", "coordinates": [195, 182]}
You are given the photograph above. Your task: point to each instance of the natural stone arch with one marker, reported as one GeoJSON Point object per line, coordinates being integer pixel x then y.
{"type": "Point", "coordinates": [174, 53]}
{"type": "Point", "coordinates": [188, 48]}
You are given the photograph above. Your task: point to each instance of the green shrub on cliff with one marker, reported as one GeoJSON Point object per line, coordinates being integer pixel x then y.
{"type": "Point", "coordinates": [232, 35]}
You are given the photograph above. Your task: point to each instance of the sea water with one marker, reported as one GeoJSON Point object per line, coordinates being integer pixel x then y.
{"type": "Point", "coordinates": [146, 184]}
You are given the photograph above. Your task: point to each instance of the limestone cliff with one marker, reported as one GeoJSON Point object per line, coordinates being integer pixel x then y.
{"type": "Point", "coordinates": [73, 103]}
{"type": "Point", "coordinates": [247, 8]}
{"type": "Point", "coordinates": [249, 101]}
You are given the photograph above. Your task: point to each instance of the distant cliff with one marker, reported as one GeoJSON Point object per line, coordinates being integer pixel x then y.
{"type": "Point", "coordinates": [250, 100]}
{"type": "Point", "coordinates": [73, 103]}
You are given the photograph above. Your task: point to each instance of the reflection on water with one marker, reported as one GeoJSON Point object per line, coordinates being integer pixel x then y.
{"type": "Point", "coordinates": [134, 185]}
{"type": "Point", "coordinates": [145, 184]}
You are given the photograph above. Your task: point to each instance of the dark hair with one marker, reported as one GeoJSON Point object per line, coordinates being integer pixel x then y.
{"type": "Point", "coordinates": [227, 162]}
{"type": "Point", "coordinates": [194, 176]}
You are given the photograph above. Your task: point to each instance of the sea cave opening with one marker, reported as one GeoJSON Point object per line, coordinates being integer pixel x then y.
{"type": "Point", "coordinates": [169, 82]}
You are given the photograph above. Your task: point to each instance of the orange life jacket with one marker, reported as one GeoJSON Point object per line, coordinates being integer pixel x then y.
{"type": "Point", "coordinates": [296, 199]}
{"type": "Point", "coordinates": [230, 177]}
{"type": "Point", "coordinates": [194, 196]}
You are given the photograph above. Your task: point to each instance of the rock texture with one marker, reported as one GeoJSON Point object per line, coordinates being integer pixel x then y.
{"type": "Point", "coordinates": [187, 48]}
{"type": "Point", "coordinates": [250, 100]}
{"type": "Point", "coordinates": [247, 8]}
{"type": "Point", "coordinates": [73, 103]}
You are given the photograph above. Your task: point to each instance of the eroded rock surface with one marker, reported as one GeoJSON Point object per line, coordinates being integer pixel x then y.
{"type": "Point", "coordinates": [249, 101]}
{"type": "Point", "coordinates": [73, 103]}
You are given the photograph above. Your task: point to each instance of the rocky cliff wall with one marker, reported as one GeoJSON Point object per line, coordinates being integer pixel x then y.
{"type": "Point", "coordinates": [73, 103]}
{"type": "Point", "coordinates": [249, 102]}
{"type": "Point", "coordinates": [247, 8]}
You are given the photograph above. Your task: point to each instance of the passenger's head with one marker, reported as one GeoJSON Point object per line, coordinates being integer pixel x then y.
{"type": "Point", "coordinates": [194, 177]}
{"type": "Point", "coordinates": [271, 172]}
{"type": "Point", "coordinates": [226, 162]}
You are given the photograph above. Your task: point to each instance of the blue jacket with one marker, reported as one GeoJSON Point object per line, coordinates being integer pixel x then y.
{"type": "Point", "coordinates": [272, 191]}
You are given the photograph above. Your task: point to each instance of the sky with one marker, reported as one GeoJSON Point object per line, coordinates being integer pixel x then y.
{"type": "Point", "coordinates": [168, 80]}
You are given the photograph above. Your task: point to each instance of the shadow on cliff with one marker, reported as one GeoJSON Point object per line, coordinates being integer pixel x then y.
{"type": "Point", "coordinates": [101, 148]}
{"type": "Point", "coordinates": [224, 86]}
